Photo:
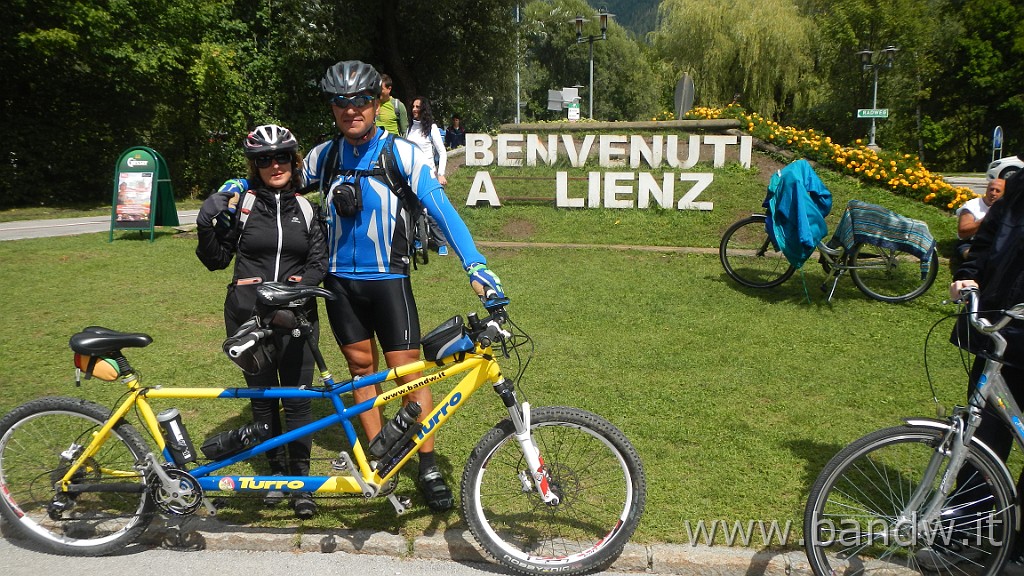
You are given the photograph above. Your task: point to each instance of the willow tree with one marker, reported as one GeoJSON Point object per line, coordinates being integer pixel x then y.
{"type": "Point", "coordinates": [758, 50]}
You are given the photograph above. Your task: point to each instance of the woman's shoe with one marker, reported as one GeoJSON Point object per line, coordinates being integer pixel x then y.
{"type": "Point", "coordinates": [304, 505]}
{"type": "Point", "coordinates": [274, 497]}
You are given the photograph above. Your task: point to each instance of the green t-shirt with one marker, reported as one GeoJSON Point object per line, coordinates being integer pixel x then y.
{"type": "Point", "coordinates": [386, 117]}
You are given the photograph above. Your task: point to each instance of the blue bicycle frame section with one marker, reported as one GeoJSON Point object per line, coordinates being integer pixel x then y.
{"type": "Point", "coordinates": [343, 415]}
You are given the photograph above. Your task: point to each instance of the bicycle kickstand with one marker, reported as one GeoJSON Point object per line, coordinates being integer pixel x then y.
{"type": "Point", "coordinates": [835, 282]}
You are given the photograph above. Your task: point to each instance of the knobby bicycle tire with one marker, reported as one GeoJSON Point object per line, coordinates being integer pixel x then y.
{"type": "Point", "coordinates": [890, 275]}
{"type": "Point", "coordinates": [36, 440]}
{"type": "Point", "coordinates": [750, 258]}
{"type": "Point", "coordinates": [851, 526]}
{"type": "Point", "coordinates": [591, 466]}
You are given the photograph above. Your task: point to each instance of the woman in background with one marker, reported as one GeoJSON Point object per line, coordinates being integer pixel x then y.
{"type": "Point", "coordinates": [427, 136]}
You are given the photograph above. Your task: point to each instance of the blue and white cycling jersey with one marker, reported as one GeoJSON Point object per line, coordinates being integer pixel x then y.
{"type": "Point", "coordinates": [373, 244]}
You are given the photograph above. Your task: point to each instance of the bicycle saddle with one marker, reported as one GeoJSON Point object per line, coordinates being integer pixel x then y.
{"type": "Point", "coordinates": [277, 294]}
{"type": "Point", "coordinates": [99, 341]}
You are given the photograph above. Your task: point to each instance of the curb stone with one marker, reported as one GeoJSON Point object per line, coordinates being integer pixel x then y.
{"type": "Point", "coordinates": [717, 560]}
{"type": "Point", "coordinates": [206, 533]}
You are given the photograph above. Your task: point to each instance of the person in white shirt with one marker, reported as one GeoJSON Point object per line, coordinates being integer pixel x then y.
{"type": "Point", "coordinates": [427, 136]}
{"type": "Point", "coordinates": [970, 215]}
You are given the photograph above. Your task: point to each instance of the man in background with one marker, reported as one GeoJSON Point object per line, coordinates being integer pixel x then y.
{"type": "Point", "coordinates": [392, 116]}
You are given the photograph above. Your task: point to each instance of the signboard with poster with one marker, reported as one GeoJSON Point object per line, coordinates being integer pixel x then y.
{"type": "Point", "coordinates": [143, 198]}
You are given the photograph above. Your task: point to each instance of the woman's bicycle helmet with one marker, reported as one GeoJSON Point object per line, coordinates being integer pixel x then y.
{"type": "Point", "coordinates": [350, 77]}
{"type": "Point", "coordinates": [269, 138]}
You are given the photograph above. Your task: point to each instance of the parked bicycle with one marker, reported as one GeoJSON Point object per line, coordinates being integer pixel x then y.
{"type": "Point", "coordinates": [885, 264]}
{"type": "Point", "coordinates": [553, 489]}
{"type": "Point", "coordinates": [891, 501]}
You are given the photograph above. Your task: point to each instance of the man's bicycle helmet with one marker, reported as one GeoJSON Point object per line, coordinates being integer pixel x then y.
{"type": "Point", "coordinates": [269, 138]}
{"type": "Point", "coordinates": [350, 77]}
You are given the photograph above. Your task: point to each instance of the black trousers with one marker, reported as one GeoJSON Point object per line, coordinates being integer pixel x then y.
{"type": "Point", "coordinates": [295, 367]}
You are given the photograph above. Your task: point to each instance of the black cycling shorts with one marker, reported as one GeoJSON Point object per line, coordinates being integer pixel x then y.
{"type": "Point", "coordinates": [366, 308]}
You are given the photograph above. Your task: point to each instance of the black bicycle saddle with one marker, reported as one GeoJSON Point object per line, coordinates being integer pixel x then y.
{"type": "Point", "coordinates": [100, 341]}
{"type": "Point", "coordinates": [277, 294]}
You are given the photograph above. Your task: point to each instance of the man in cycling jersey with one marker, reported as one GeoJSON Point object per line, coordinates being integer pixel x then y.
{"type": "Point", "coordinates": [367, 238]}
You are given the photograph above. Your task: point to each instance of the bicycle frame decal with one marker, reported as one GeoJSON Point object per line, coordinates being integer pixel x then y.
{"type": "Point", "coordinates": [441, 411]}
{"type": "Point", "coordinates": [1018, 425]}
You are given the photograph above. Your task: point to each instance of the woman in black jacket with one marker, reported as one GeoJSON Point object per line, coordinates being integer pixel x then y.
{"type": "Point", "coordinates": [275, 241]}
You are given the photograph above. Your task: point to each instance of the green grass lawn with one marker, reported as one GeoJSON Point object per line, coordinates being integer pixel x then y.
{"type": "Point", "coordinates": [735, 398]}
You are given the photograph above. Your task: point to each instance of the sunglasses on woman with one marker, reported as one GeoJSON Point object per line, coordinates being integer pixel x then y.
{"type": "Point", "coordinates": [279, 158]}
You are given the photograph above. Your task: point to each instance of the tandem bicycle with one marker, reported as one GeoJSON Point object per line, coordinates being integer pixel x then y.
{"type": "Point", "coordinates": [927, 497]}
{"type": "Point", "coordinates": [551, 489]}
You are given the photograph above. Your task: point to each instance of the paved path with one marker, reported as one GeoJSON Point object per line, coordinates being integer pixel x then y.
{"type": "Point", "coordinates": [975, 183]}
{"type": "Point", "coordinates": [70, 226]}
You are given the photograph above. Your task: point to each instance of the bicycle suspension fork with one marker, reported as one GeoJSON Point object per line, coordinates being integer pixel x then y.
{"type": "Point", "coordinates": [952, 449]}
{"type": "Point", "coordinates": [520, 416]}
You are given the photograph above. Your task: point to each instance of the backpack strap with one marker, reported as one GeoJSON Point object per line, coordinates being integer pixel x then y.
{"type": "Point", "coordinates": [307, 210]}
{"type": "Point", "coordinates": [389, 164]}
{"type": "Point", "coordinates": [247, 202]}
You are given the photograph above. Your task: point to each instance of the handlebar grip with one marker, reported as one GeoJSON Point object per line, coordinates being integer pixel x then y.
{"type": "Point", "coordinates": [247, 342]}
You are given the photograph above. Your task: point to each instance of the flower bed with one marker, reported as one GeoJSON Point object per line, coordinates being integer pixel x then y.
{"type": "Point", "coordinates": [902, 174]}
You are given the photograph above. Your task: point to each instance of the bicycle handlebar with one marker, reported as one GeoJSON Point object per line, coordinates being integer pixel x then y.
{"type": "Point", "coordinates": [488, 330]}
{"type": "Point", "coordinates": [971, 299]}
{"type": "Point", "coordinates": [248, 341]}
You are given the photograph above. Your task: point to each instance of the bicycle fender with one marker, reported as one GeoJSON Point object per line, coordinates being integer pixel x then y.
{"type": "Point", "coordinates": [944, 426]}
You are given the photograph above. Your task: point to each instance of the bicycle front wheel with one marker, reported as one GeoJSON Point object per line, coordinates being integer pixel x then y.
{"type": "Point", "coordinates": [890, 275]}
{"type": "Point", "coordinates": [593, 468]}
{"type": "Point", "coordinates": [38, 442]}
{"type": "Point", "coordinates": [750, 258]}
{"type": "Point", "coordinates": [856, 521]}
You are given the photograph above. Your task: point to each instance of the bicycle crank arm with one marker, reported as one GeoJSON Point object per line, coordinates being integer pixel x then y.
{"type": "Point", "coordinates": [401, 503]}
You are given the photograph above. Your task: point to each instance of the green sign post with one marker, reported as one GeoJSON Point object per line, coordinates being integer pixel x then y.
{"type": "Point", "coordinates": [872, 113]}
{"type": "Point", "coordinates": [143, 197]}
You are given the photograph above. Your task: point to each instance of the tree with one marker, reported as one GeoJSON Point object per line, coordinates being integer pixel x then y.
{"type": "Point", "coordinates": [757, 49]}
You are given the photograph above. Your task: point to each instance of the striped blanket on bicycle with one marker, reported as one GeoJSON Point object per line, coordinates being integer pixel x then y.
{"type": "Point", "coordinates": [879, 226]}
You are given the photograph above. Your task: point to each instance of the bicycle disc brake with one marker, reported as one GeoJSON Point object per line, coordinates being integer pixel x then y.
{"type": "Point", "coordinates": [176, 491]}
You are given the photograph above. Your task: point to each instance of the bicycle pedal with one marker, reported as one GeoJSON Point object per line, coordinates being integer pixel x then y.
{"type": "Point", "coordinates": [339, 464]}
{"type": "Point", "coordinates": [402, 504]}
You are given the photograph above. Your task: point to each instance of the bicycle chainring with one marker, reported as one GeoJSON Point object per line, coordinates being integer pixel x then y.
{"type": "Point", "coordinates": [185, 498]}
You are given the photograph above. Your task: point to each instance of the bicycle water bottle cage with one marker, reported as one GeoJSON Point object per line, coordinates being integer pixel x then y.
{"type": "Point", "coordinates": [279, 295]}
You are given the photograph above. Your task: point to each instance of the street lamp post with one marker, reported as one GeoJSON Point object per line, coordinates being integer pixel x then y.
{"type": "Point", "coordinates": [867, 60]}
{"type": "Point", "coordinates": [603, 15]}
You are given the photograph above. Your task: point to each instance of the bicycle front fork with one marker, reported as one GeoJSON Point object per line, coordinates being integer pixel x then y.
{"type": "Point", "coordinates": [953, 451]}
{"type": "Point", "coordinates": [520, 416]}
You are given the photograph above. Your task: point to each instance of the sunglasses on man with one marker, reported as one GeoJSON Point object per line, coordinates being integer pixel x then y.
{"type": "Point", "coordinates": [357, 101]}
{"type": "Point", "coordinates": [279, 158]}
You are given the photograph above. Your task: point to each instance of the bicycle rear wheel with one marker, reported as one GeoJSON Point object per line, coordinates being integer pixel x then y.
{"type": "Point", "coordinates": [38, 441]}
{"type": "Point", "coordinates": [890, 275]}
{"type": "Point", "coordinates": [748, 256]}
{"type": "Point", "coordinates": [593, 468]}
{"type": "Point", "coordinates": [853, 523]}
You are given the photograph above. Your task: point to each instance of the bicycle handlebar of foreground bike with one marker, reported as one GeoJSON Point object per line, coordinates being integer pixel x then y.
{"type": "Point", "coordinates": [971, 299]}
